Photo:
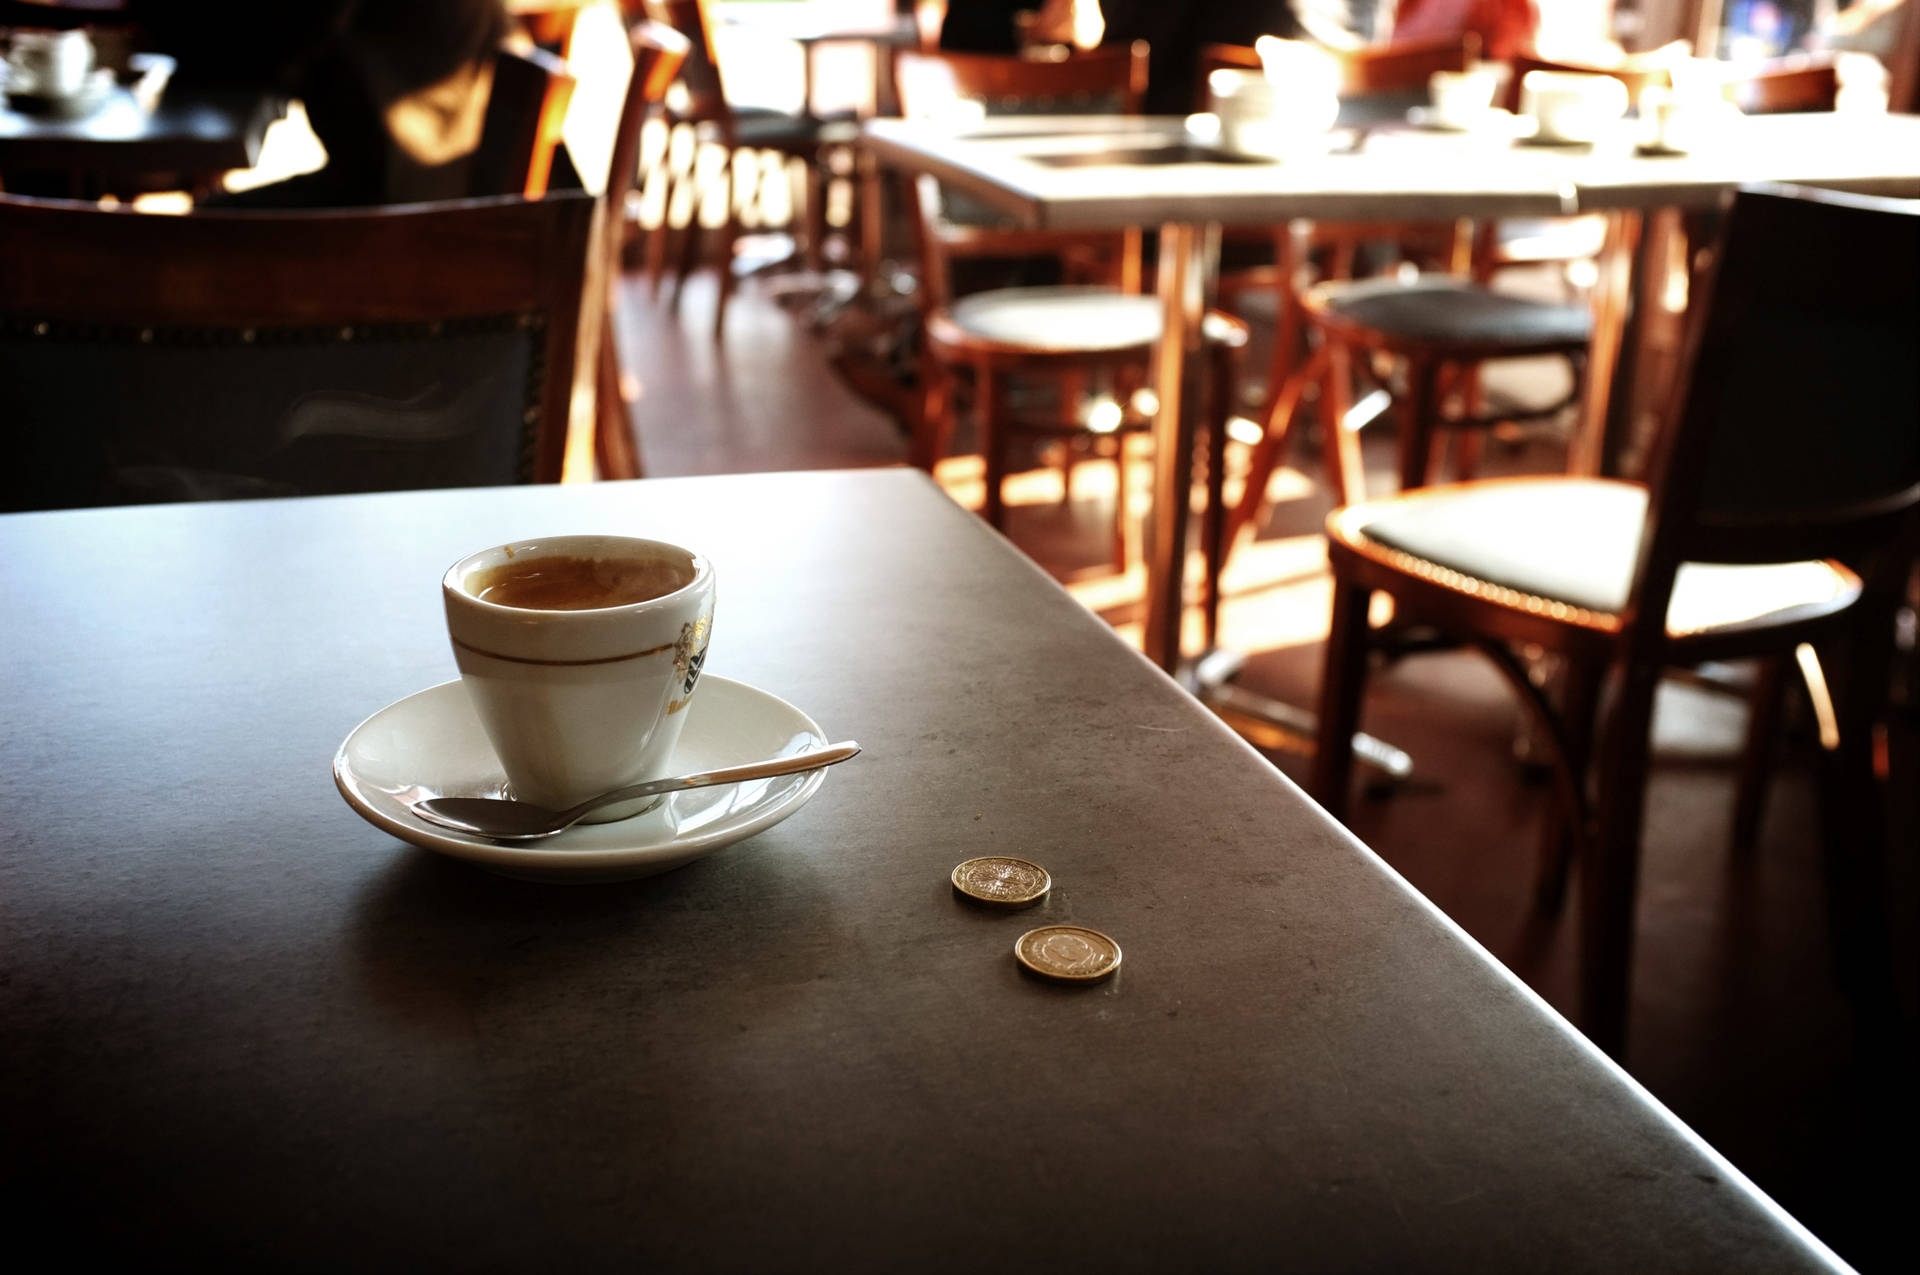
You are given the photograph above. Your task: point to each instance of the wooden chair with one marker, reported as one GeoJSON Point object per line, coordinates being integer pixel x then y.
{"type": "Point", "coordinates": [526, 110]}
{"type": "Point", "coordinates": [706, 110]}
{"type": "Point", "coordinates": [1740, 545]}
{"type": "Point", "coordinates": [1441, 327]}
{"type": "Point", "coordinates": [1095, 327]}
{"type": "Point", "coordinates": [227, 354]}
{"type": "Point", "coordinates": [1377, 82]}
{"type": "Point", "coordinates": [658, 51]}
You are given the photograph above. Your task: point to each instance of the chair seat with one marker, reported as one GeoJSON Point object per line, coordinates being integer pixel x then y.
{"type": "Point", "coordinates": [1574, 542]}
{"type": "Point", "coordinates": [1063, 320]}
{"type": "Point", "coordinates": [1443, 311]}
{"type": "Point", "coordinates": [775, 130]}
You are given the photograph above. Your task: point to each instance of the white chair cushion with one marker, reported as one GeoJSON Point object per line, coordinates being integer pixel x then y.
{"type": "Point", "coordinates": [1071, 319]}
{"type": "Point", "coordinates": [1576, 541]}
{"type": "Point", "coordinates": [1063, 318]}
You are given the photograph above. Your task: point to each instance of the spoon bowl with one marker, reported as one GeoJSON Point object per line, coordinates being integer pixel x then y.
{"type": "Point", "coordinates": [504, 819]}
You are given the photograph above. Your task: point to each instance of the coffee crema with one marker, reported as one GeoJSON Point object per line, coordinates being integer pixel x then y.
{"type": "Point", "coordinates": [567, 583]}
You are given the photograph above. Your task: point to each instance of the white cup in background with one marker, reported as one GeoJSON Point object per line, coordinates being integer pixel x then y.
{"type": "Point", "coordinates": [1571, 106]}
{"type": "Point", "coordinates": [1259, 116]}
{"type": "Point", "coordinates": [1461, 99]}
{"type": "Point", "coordinates": [49, 64]}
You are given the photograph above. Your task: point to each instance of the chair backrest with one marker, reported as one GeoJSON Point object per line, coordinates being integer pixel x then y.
{"type": "Point", "coordinates": [658, 52]}
{"type": "Point", "coordinates": [706, 99]}
{"type": "Point", "coordinates": [222, 354]}
{"type": "Point", "coordinates": [1111, 80]}
{"type": "Point", "coordinates": [1103, 81]}
{"type": "Point", "coordinates": [1798, 432]}
{"type": "Point", "coordinates": [526, 111]}
{"type": "Point", "coordinates": [1637, 78]}
{"type": "Point", "coordinates": [1784, 90]}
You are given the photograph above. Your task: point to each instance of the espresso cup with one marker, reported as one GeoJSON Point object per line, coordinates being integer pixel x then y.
{"type": "Point", "coordinates": [1461, 99]}
{"type": "Point", "coordinates": [1572, 106]}
{"type": "Point", "coordinates": [580, 654]}
{"type": "Point", "coordinates": [1261, 117]}
{"type": "Point", "coordinates": [49, 64]}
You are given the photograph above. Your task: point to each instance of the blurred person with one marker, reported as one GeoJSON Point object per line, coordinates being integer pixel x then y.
{"type": "Point", "coordinates": [1505, 27]}
{"type": "Point", "coordinates": [994, 26]}
{"type": "Point", "coordinates": [396, 92]}
{"type": "Point", "coordinates": [1175, 34]}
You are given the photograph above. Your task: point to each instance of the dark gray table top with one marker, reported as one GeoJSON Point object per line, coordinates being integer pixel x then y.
{"type": "Point", "coordinates": [243, 1026]}
{"type": "Point", "coordinates": [194, 131]}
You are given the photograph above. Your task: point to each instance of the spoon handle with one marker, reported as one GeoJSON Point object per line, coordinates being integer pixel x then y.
{"type": "Point", "coordinates": [813, 759]}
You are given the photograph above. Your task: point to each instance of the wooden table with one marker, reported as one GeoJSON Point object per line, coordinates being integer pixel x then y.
{"type": "Point", "coordinates": [244, 1028]}
{"type": "Point", "coordinates": [1110, 174]}
{"type": "Point", "coordinates": [193, 135]}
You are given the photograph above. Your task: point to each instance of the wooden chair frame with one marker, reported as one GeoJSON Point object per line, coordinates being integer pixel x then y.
{"type": "Point", "coordinates": [419, 263]}
{"type": "Point", "coordinates": [706, 105]}
{"type": "Point", "coordinates": [1875, 530]}
{"type": "Point", "coordinates": [658, 52]}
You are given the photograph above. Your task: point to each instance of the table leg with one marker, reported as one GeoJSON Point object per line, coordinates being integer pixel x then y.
{"type": "Point", "coordinates": [1177, 382]}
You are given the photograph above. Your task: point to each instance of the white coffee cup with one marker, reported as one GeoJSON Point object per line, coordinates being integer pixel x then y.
{"type": "Point", "coordinates": [49, 64]}
{"type": "Point", "coordinates": [579, 691]}
{"type": "Point", "coordinates": [1572, 106]}
{"type": "Point", "coordinates": [1261, 117]}
{"type": "Point", "coordinates": [1461, 99]}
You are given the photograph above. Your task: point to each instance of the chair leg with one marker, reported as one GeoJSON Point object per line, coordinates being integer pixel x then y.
{"type": "Point", "coordinates": [616, 451]}
{"type": "Point", "coordinates": [657, 237]}
{"type": "Point", "coordinates": [990, 405]}
{"type": "Point", "coordinates": [729, 231]}
{"type": "Point", "coordinates": [1271, 451]}
{"type": "Point", "coordinates": [1610, 872]}
{"type": "Point", "coordinates": [1346, 470]}
{"type": "Point", "coordinates": [1342, 683]}
{"type": "Point", "coordinates": [689, 247]}
{"type": "Point", "coordinates": [669, 178]}
{"type": "Point", "coordinates": [814, 190]}
{"type": "Point", "coordinates": [1764, 703]}
{"type": "Point", "coordinates": [1854, 826]}
{"type": "Point", "coordinates": [933, 413]}
{"type": "Point", "coordinates": [1418, 427]}
{"type": "Point", "coordinates": [1580, 703]}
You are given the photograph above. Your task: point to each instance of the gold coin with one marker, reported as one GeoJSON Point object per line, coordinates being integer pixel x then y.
{"type": "Point", "coordinates": [1002, 881]}
{"type": "Point", "coordinates": [1069, 953]}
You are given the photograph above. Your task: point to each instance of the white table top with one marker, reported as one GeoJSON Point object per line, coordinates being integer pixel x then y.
{"type": "Point", "coordinates": [1048, 171]}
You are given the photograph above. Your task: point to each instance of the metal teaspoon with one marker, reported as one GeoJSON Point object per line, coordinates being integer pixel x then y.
{"type": "Point", "coordinates": [504, 819]}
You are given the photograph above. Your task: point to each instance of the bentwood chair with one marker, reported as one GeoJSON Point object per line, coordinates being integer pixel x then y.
{"type": "Point", "coordinates": [232, 354]}
{"type": "Point", "coordinates": [1376, 83]}
{"type": "Point", "coordinates": [526, 110]}
{"type": "Point", "coordinates": [703, 106]}
{"type": "Point", "coordinates": [1440, 329]}
{"type": "Point", "coordinates": [1094, 330]}
{"type": "Point", "coordinates": [1779, 515]}
{"type": "Point", "coordinates": [658, 52]}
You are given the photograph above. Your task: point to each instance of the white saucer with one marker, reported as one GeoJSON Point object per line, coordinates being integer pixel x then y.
{"type": "Point", "coordinates": [1492, 119]}
{"type": "Point", "coordinates": [430, 744]}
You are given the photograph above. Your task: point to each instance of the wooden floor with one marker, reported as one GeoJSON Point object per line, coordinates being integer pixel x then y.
{"type": "Point", "coordinates": [1737, 1024]}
